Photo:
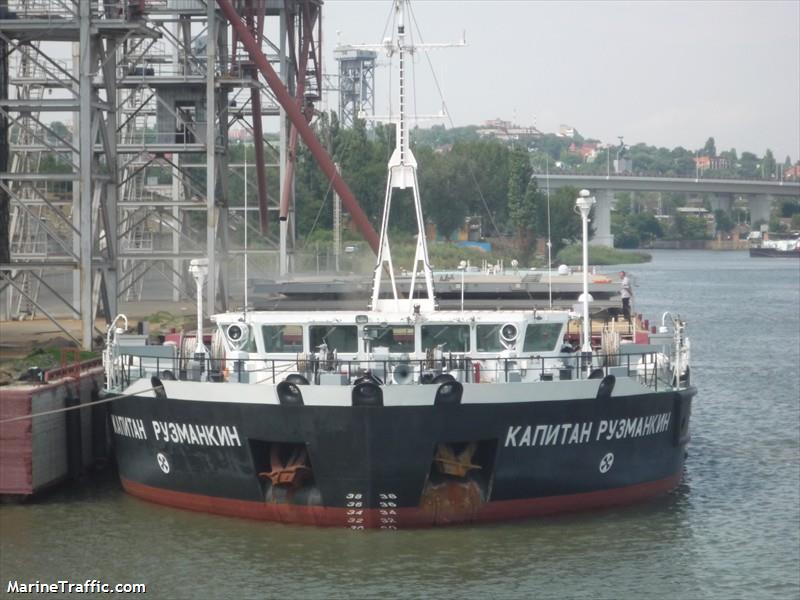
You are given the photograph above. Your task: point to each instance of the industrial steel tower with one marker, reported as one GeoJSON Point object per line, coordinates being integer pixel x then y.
{"type": "Point", "coordinates": [356, 84]}
{"type": "Point", "coordinates": [140, 180]}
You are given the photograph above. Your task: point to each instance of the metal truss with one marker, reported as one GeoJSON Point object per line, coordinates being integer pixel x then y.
{"type": "Point", "coordinates": [140, 182]}
{"type": "Point", "coordinates": [356, 84]}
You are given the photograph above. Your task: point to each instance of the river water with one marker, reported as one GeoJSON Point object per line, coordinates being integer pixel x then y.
{"type": "Point", "coordinates": [732, 529]}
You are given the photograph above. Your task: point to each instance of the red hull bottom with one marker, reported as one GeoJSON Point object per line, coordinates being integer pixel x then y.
{"type": "Point", "coordinates": [401, 518]}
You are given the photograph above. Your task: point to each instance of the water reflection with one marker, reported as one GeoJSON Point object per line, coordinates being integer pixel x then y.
{"type": "Point", "coordinates": [731, 529]}
{"type": "Point", "coordinates": [99, 531]}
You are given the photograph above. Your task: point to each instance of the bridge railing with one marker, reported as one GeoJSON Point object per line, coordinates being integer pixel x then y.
{"type": "Point", "coordinates": [716, 176]}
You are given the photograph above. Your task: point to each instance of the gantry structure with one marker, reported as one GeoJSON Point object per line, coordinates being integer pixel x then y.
{"type": "Point", "coordinates": [356, 83]}
{"type": "Point", "coordinates": [140, 179]}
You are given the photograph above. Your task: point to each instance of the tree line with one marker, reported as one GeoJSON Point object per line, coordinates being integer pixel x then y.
{"type": "Point", "coordinates": [462, 174]}
{"type": "Point", "coordinates": [462, 178]}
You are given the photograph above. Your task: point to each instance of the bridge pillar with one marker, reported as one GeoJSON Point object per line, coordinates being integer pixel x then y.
{"type": "Point", "coordinates": [760, 208]}
{"type": "Point", "coordinates": [602, 219]}
{"type": "Point", "coordinates": [721, 202]}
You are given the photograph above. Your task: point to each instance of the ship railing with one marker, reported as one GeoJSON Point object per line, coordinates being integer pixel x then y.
{"type": "Point", "coordinates": [652, 369]}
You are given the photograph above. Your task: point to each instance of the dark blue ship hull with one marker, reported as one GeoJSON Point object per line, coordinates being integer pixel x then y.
{"type": "Point", "coordinates": [400, 466]}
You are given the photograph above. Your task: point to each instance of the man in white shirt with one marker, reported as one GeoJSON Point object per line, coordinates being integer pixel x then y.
{"type": "Point", "coordinates": [627, 294]}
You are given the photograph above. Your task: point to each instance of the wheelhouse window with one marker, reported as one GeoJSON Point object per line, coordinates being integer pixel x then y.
{"type": "Point", "coordinates": [542, 337]}
{"type": "Point", "coordinates": [487, 338]}
{"type": "Point", "coordinates": [342, 338]}
{"type": "Point", "coordinates": [452, 338]}
{"type": "Point", "coordinates": [282, 338]}
{"type": "Point", "coordinates": [398, 338]}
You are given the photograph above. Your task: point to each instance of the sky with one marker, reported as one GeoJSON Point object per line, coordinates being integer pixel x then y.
{"type": "Point", "coordinates": [664, 73]}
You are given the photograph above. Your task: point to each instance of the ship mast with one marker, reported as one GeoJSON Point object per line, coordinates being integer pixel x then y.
{"type": "Point", "coordinates": [402, 175]}
{"type": "Point", "coordinates": [402, 169]}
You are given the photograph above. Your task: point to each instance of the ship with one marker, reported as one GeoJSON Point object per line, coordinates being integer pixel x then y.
{"type": "Point", "coordinates": [402, 413]}
{"type": "Point", "coordinates": [775, 248]}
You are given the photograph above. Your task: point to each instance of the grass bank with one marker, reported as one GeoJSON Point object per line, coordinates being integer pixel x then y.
{"type": "Point", "coordinates": [601, 255]}
{"type": "Point", "coordinates": [44, 358]}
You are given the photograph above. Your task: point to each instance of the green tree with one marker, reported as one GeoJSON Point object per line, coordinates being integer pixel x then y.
{"type": "Point", "coordinates": [635, 230]}
{"type": "Point", "coordinates": [683, 160]}
{"type": "Point", "coordinates": [644, 158]}
{"type": "Point", "coordinates": [768, 165]}
{"type": "Point", "coordinates": [723, 221]}
{"type": "Point", "coordinates": [748, 166]}
{"type": "Point", "coordinates": [565, 223]}
{"type": "Point", "coordinates": [58, 130]}
{"type": "Point", "coordinates": [624, 235]}
{"type": "Point", "coordinates": [789, 208]}
{"type": "Point", "coordinates": [521, 203]}
{"type": "Point", "coordinates": [648, 226]}
{"type": "Point", "coordinates": [710, 149]}
{"type": "Point", "coordinates": [486, 163]}
{"type": "Point", "coordinates": [439, 136]}
{"type": "Point", "coordinates": [445, 188]}
{"type": "Point", "coordinates": [623, 204]}
{"type": "Point", "coordinates": [570, 159]}
{"type": "Point", "coordinates": [552, 145]}
{"type": "Point", "coordinates": [688, 227]}
{"type": "Point", "coordinates": [731, 156]}
{"type": "Point", "coordinates": [775, 225]}
{"type": "Point", "coordinates": [362, 159]}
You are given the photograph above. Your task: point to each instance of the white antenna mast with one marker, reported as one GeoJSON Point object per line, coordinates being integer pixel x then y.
{"type": "Point", "coordinates": [402, 175]}
{"type": "Point", "coordinates": [549, 240]}
{"type": "Point", "coordinates": [245, 228]}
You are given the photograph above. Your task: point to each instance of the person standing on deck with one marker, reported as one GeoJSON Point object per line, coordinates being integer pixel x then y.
{"type": "Point", "coordinates": [627, 294]}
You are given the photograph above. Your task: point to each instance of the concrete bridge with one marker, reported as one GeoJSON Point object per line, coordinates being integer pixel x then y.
{"type": "Point", "coordinates": [759, 194]}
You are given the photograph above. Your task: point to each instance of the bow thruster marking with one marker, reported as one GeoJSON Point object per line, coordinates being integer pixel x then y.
{"type": "Point", "coordinates": [606, 462]}
{"type": "Point", "coordinates": [163, 463]}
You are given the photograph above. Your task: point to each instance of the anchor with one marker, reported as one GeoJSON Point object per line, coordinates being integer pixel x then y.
{"type": "Point", "coordinates": [290, 474]}
{"type": "Point", "coordinates": [450, 463]}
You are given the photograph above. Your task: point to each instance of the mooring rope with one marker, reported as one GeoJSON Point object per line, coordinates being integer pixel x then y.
{"type": "Point", "coordinates": [79, 406]}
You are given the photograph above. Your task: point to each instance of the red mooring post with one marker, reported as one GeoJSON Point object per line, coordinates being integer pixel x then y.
{"type": "Point", "coordinates": [261, 172]}
{"type": "Point", "coordinates": [258, 133]}
{"type": "Point", "coordinates": [299, 121]}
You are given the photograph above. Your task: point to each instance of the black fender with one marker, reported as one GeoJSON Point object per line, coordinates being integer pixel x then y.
{"type": "Point", "coordinates": [367, 393]}
{"type": "Point", "coordinates": [449, 393]}
{"type": "Point", "coordinates": [289, 393]}
{"type": "Point", "coordinates": [606, 387]}
{"type": "Point", "coordinates": [682, 410]}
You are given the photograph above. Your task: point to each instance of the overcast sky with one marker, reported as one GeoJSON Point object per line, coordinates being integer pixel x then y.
{"type": "Point", "coordinates": [665, 73]}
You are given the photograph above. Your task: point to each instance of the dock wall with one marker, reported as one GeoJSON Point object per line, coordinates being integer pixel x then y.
{"type": "Point", "coordinates": [700, 245]}
{"type": "Point", "coordinates": [40, 452]}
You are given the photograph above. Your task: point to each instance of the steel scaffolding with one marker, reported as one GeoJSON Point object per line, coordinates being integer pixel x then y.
{"type": "Point", "coordinates": [139, 183]}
